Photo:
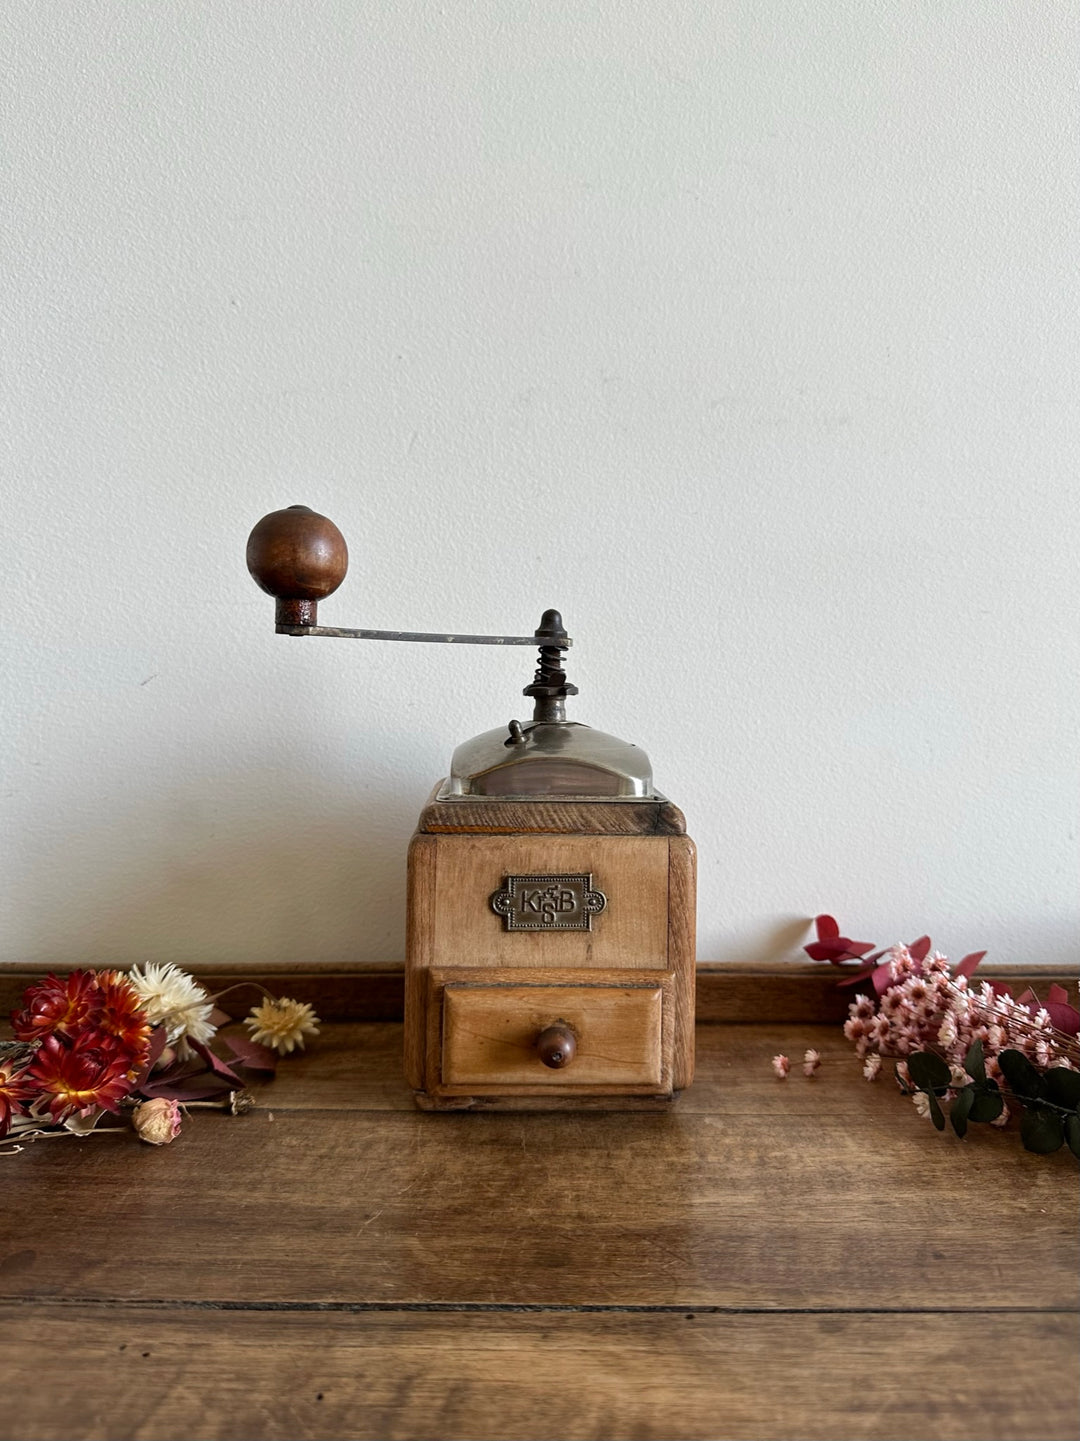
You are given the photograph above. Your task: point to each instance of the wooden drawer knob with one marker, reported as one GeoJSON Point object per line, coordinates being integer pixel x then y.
{"type": "Point", "coordinates": [556, 1045]}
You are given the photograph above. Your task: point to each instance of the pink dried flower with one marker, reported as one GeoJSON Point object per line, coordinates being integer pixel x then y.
{"type": "Point", "coordinates": [781, 1065]}
{"type": "Point", "coordinates": [915, 991]}
{"type": "Point", "coordinates": [855, 1028]}
{"type": "Point", "coordinates": [157, 1121]}
{"type": "Point", "coordinates": [947, 1030]}
{"type": "Point", "coordinates": [871, 1067]}
{"type": "Point", "coordinates": [901, 962]}
{"type": "Point", "coordinates": [1003, 1119]}
{"type": "Point", "coordinates": [863, 1007]}
{"type": "Point", "coordinates": [811, 1061]}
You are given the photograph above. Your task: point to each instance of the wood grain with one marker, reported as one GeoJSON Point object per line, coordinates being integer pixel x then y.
{"type": "Point", "coordinates": [729, 991]}
{"type": "Point", "coordinates": [762, 1208]}
{"type": "Point", "coordinates": [470, 814]}
{"type": "Point", "coordinates": [357, 1066]}
{"type": "Point", "coordinates": [420, 947]}
{"type": "Point", "coordinates": [682, 942]}
{"type": "Point", "coordinates": [631, 871]}
{"type": "Point", "coordinates": [441, 1095]}
{"type": "Point", "coordinates": [154, 1374]}
{"type": "Point", "coordinates": [490, 1035]}
{"type": "Point", "coordinates": [849, 1272]}
{"type": "Point", "coordinates": [452, 926]}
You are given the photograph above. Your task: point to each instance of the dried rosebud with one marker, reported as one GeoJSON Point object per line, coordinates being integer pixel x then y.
{"type": "Point", "coordinates": [157, 1121]}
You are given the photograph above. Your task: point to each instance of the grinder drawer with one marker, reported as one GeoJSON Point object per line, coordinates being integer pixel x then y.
{"type": "Point", "coordinates": [563, 1035]}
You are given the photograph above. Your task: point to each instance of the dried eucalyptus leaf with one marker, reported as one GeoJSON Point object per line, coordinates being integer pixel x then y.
{"type": "Point", "coordinates": [1072, 1134]}
{"type": "Point", "coordinates": [975, 1062]}
{"type": "Point", "coordinates": [1042, 1132]}
{"type": "Point", "coordinates": [987, 1106]}
{"type": "Point", "coordinates": [1024, 1080]}
{"type": "Point", "coordinates": [1062, 1086]}
{"type": "Point", "coordinates": [961, 1109]}
{"type": "Point", "coordinates": [928, 1071]}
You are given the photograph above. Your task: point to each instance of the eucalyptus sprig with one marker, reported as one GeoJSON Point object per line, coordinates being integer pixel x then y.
{"type": "Point", "coordinates": [1050, 1099]}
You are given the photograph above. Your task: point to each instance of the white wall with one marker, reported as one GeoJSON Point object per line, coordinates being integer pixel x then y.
{"type": "Point", "coordinates": [749, 328]}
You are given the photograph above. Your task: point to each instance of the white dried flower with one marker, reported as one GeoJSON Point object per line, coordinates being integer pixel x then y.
{"type": "Point", "coordinates": [171, 998]}
{"type": "Point", "coordinates": [282, 1024]}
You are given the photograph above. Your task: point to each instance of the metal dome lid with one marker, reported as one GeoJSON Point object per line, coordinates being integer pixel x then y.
{"type": "Point", "coordinates": [549, 756]}
{"type": "Point", "coordinates": [543, 759]}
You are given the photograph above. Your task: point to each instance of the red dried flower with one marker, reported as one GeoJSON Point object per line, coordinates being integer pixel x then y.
{"type": "Point", "coordinates": [14, 1088]}
{"type": "Point", "coordinates": [122, 1016]}
{"type": "Point", "coordinates": [92, 1071]}
{"type": "Point", "coordinates": [58, 1006]}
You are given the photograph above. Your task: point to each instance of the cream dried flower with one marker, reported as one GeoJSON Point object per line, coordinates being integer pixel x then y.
{"type": "Point", "coordinates": [921, 1101]}
{"type": "Point", "coordinates": [282, 1024]}
{"type": "Point", "coordinates": [171, 998]}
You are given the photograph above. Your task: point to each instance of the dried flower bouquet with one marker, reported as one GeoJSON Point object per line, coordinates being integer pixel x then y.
{"type": "Point", "coordinates": [136, 1045]}
{"type": "Point", "coordinates": [972, 1046]}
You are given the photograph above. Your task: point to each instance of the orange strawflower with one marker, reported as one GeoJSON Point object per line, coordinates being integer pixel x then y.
{"type": "Point", "coordinates": [122, 1016]}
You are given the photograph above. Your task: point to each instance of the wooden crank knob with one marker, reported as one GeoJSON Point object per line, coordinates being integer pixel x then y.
{"type": "Point", "coordinates": [557, 1046]}
{"type": "Point", "coordinates": [299, 557]}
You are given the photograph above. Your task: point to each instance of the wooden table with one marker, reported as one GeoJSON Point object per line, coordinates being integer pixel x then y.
{"type": "Point", "coordinates": [797, 1260]}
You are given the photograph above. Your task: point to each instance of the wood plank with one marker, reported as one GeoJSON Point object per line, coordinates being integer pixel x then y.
{"type": "Point", "coordinates": [357, 1066]}
{"type": "Point", "coordinates": [767, 1208]}
{"type": "Point", "coordinates": [151, 1374]}
{"type": "Point", "coordinates": [728, 991]}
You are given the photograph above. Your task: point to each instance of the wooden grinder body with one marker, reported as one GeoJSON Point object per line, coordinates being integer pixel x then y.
{"type": "Point", "coordinates": [537, 1019]}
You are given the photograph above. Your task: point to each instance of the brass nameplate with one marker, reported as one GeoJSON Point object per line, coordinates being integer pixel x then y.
{"type": "Point", "coordinates": [548, 903]}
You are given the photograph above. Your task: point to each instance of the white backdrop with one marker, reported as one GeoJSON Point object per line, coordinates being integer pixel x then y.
{"type": "Point", "coordinates": [745, 333]}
